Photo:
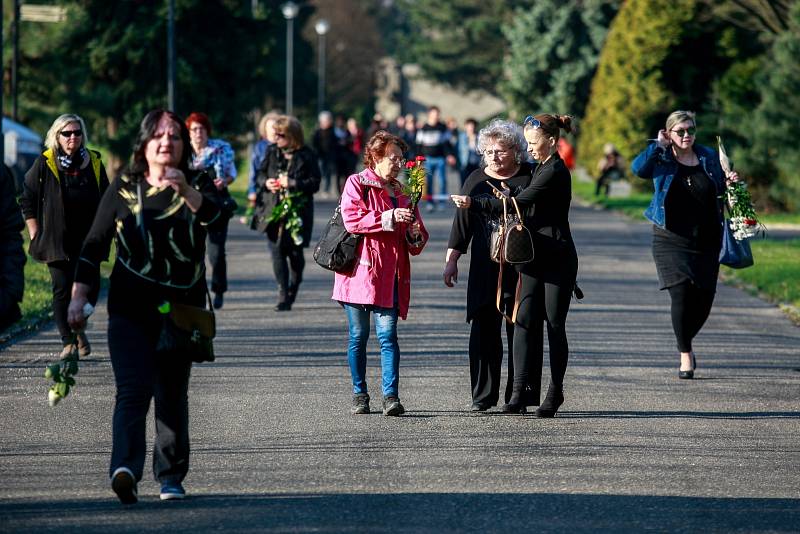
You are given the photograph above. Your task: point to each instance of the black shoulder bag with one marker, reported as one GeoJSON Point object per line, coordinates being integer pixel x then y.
{"type": "Point", "coordinates": [337, 249]}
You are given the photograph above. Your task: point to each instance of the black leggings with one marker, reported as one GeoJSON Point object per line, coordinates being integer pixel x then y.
{"type": "Point", "coordinates": [690, 308]}
{"type": "Point", "coordinates": [540, 302]}
{"type": "Point", "coordinates": [288, 263]}
{"type": "Point", "coordinates": [62, 274]}
{"type": "Point", "coordinates": [486, 354]}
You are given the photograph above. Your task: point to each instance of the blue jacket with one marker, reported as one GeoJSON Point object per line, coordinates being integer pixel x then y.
{"type": "Point", "coordinates": [659, 165]}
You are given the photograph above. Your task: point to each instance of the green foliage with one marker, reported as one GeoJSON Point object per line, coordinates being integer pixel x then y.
{"type": "Point", "coordinates": [628, 95]}
{"type": "Point", "coordinates": [553, 52]}
{"type": "Point", "coordinates": [457, 42]}
{"type": "Point", "coordinates": [776, 270]}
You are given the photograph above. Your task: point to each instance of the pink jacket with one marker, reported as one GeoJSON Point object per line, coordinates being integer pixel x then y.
{"type": "Point", "coordinates": [384, 249]}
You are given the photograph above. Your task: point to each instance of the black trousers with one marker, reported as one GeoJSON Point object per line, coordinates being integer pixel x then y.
{"type": "Point", "coordinates": [62, 275]}
{"type": "Point", "coordinates": [691, 306]}
{"type": "Point", "coordinates": [486, 354]}
{"type": "Point", "coordinates": [540, 302]}
{"type": "Point", "coordinates": [288, 263]}
{"type": "Point", "coordinates": [141, 376]}
{"type": "Point", "coordinates": [215, 245]}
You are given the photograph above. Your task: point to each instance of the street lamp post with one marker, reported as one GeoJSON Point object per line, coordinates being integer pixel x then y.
{"type": "Point", "coordinates": [322, 26]}
{"type": "Point", "coordinates": [289, 10]}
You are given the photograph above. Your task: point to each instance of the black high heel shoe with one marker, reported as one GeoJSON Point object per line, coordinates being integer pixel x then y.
{"type": "Point", "coordinates": [688, 375]}
{"type": "Point", "coordinates": [518, 402]}
{"type": "Point", "coordinates": [552, 401]}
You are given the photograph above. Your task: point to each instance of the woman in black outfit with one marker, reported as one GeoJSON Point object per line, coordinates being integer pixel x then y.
{"type": "Point", "coordinates": [502, 148]}
{"type": "Point", "coordinates": [549, 280]}
{"type": "Point", "coordinates": [686, 211]}
{"type": "Point", "coordinates": [290, 169]}
{"type": "Point", "coordinates": [158, 212]}
{"type": "Point", "coordinates": [60, 197]}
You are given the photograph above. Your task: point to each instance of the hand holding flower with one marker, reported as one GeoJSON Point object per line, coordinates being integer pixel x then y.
{"type": "Point", "coordinates": [461, 201]}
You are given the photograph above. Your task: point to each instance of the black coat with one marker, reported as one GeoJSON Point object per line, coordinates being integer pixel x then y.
{"type": "Point", "coordinates": [12, 257]}
{"type": "Point", "coordinates": [42, 200]}
{"type": "Point", "coordinates": [470, 230]}
{"type": "Point", "coordinates": [304, 177]}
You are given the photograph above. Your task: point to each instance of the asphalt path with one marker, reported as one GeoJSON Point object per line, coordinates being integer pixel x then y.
{"type": "Point", "coordinates": [274, 448]}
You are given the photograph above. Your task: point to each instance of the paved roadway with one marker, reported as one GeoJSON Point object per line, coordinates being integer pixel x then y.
{"type": "Point", "coordinates": [275, 449]}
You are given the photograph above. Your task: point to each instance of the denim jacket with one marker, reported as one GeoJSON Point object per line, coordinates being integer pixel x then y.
{"type": "Point", "coordinates": [660, 166]}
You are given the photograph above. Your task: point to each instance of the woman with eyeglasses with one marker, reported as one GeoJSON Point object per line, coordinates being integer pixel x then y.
{"type": "Point", "coordinates": [501, 147]}
{"type": "Point", "coordinates": [374, 205]}
{"type": "Point", "coordinates": [686, 212]}
{"type": "Point", "coordinates": [289, 177]}
{"type": "Point", "coordinates": [59, 200]}
{"type": "Point", "coordinates": [546, 283]}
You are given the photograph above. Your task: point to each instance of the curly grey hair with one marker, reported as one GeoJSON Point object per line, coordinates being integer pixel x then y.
{"type": "Point", "coordinates": [507, 134]}
{"type": "Point", "coordinates": [51, 139]}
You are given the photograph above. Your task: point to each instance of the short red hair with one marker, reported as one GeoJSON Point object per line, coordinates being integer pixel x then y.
{"type": "Point", "coordinates": [199, 118]}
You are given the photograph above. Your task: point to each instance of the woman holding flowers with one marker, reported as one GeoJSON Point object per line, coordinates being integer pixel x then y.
{"type": "Point", "coordinates": [547, 282]}
{"type": "Point", "coordinates": [502, 149]}
{"type": "Point", "coordinates": [288, 178]}
{"type": "Point", "coordinates": [375, 205]}
{"type": "Point", "coordinates": [686, 211]}
{"type": "Point", "coordinates": [158, 211]}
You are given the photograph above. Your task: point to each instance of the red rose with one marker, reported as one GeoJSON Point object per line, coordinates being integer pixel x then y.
{"type": "Point", "coordinates": [750, 222]}
{"type": "Point", "coordinates": [420, 158]}
{"type": "Point", "coordinates": [410, 164]}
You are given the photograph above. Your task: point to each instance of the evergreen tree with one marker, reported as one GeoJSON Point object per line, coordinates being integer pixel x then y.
{"type": "Point", "coordinates": [553, 52]}
{"type": "Point", "coordinates": [628, 98]}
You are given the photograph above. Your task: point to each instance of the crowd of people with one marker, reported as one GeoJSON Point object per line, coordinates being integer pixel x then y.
{"type": "Point", "coordinates": [168, 213]}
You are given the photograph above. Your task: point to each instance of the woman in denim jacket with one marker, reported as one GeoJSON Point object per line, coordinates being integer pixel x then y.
{"type": "Point", "coordinates": [686, 211]}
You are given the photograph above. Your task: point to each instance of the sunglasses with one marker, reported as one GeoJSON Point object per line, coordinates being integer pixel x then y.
{"type": "Point", "coordinates": [71, 133]}
{"type": "Point", "coordinates": [682, 132]}
{"type": "Point", "coordinates": [532, 121]}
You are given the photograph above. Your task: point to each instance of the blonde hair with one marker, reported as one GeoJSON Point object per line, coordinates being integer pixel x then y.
{"type": "Point", "coordinates": [292, 129]}
{"type": "Point", "coordinates": [51, 139]}
{"type": "Point", "coordinates": [262, 124]}
{"type": "Point", "coordinates": [677, 117]}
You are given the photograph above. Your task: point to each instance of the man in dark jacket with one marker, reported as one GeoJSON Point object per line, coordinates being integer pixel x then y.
{"type": "Point", "coordinates": [12, 256]}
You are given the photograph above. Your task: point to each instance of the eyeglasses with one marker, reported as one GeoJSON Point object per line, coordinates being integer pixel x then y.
{"type": "Point", "coordinates": [71, 133]}
{"type": "Point", "coordinates": [684, 131]}
{"type": "Point", "coordinates": [534, 122]}
{"type": "Point", "coordinates": [394, 160]}
{"type": "Point", "coordinates": [498, 153]}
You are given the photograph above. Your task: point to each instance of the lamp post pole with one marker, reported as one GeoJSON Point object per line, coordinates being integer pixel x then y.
{"type": "Point", "coordinates": [322, 26]}
{"type": "Point", "coordinates": [289, 10]}
{"type": "Point", "coordinates": [171, 57]}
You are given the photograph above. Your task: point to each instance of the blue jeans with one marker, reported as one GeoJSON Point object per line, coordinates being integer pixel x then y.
{"type": "Point", "coordinates": [436, 166]}
{"type": "Point", "coordinates": [386, 329]}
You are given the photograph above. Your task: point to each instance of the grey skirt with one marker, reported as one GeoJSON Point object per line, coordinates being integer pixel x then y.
{"type": "Point", "coordinates": [679, 259]}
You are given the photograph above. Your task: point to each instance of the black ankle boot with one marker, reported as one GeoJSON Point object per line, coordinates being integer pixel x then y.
{"type": "Point", "coordinates": [554, 399]}
{"type": "Point", "coordinates": [518, 401]}
{"type": "Point", "coordinates": [291, 293]}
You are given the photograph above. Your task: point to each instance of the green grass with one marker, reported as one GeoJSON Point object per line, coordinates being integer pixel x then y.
{"type": "Point", "coordinates": [633, 206]}
{"type": "Point", "coordinates": [780, 218]}
{"type": "Point", "coordinates": [38, 296]}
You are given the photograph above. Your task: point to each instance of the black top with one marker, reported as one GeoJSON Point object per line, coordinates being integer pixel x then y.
{"type": "Point", "coordinates": [471, 226]}
{"type": "Point", "coordinates": [690, 207]}
{"type": "Point", "coordinates": [12, 257]}
{"type": "Point", "coordinates": [545, 205]}
{"type": "Point", "coordinates": [81, 197]}
{"type": "Point", "coordinates": [433, 141]}
{"type": "Point", "coordinates": [304, 177]}
{"type": "Point", "coordinates": [160, 256]}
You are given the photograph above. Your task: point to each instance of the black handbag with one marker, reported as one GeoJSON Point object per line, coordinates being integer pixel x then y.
{"type": "Point", "coordinates": [227, 203]}
{"type": "Point", "coordinates": [188, 331]}
{"type": "Point", "coordinates": [337, 249]}
{"type": "Point", "coordinates": [517, 241]}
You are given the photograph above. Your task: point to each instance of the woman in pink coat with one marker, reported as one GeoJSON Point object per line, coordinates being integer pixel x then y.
{"type": "Point", "coordinates": [374, 205]}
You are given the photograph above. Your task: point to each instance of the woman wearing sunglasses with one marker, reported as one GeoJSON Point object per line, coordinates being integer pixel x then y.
{"type": "Point", "coordinates": [686, 211]}
{"type": "Point", "coordinates": [59, 200]}
{"type": "Point", "coordinates": [547, 282]}
{"type": "Point", "coordinates": [289, 172]}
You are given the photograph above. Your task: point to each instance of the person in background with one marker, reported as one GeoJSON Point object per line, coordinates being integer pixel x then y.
{"type": "Point", "coordinates": [374, 206]}
{"type": "Point", "coordinates": [158, 212]}
{"type": "Point", "coordinates": [354, 146]}
{"type": "Point", "coordinates": [290, 171]}
{"type": "Point", "coordinates": [60, 197]}
{"type": "Point", "coordinates": [216, 155]}
{"type": "Point", "coordinates": [266, 132]}
{"type": "Point", "coordinates": [611, 167]}
{"type": "Point", "coordinates": [326, 145]}
{"type": "Point", "coordinates": [548, 281]}
{"type": "Point", "coordinates": [686, 212]}
{"type": "Point", "coordinates": [567, 153]}
{"type": "Point", "coordinates": [12, 255]}
{"type": "Point", "coordinates": [503, 150]}
{"type": "Point", "coordinates": [409, 136]}
{"type": "Point", "coordinates": [468, 158]}
{"type": "Point", "coordinates": [433, 142]}
{"type": "Point", "coordinates": [397, 127]}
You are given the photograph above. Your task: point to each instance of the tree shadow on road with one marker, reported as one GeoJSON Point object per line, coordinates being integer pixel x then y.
{"type": "Point", "coordinates": [408, 512]}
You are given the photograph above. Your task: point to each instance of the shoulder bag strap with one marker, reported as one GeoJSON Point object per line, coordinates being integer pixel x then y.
{"type": "Point", "coordinates": [499, 302]}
